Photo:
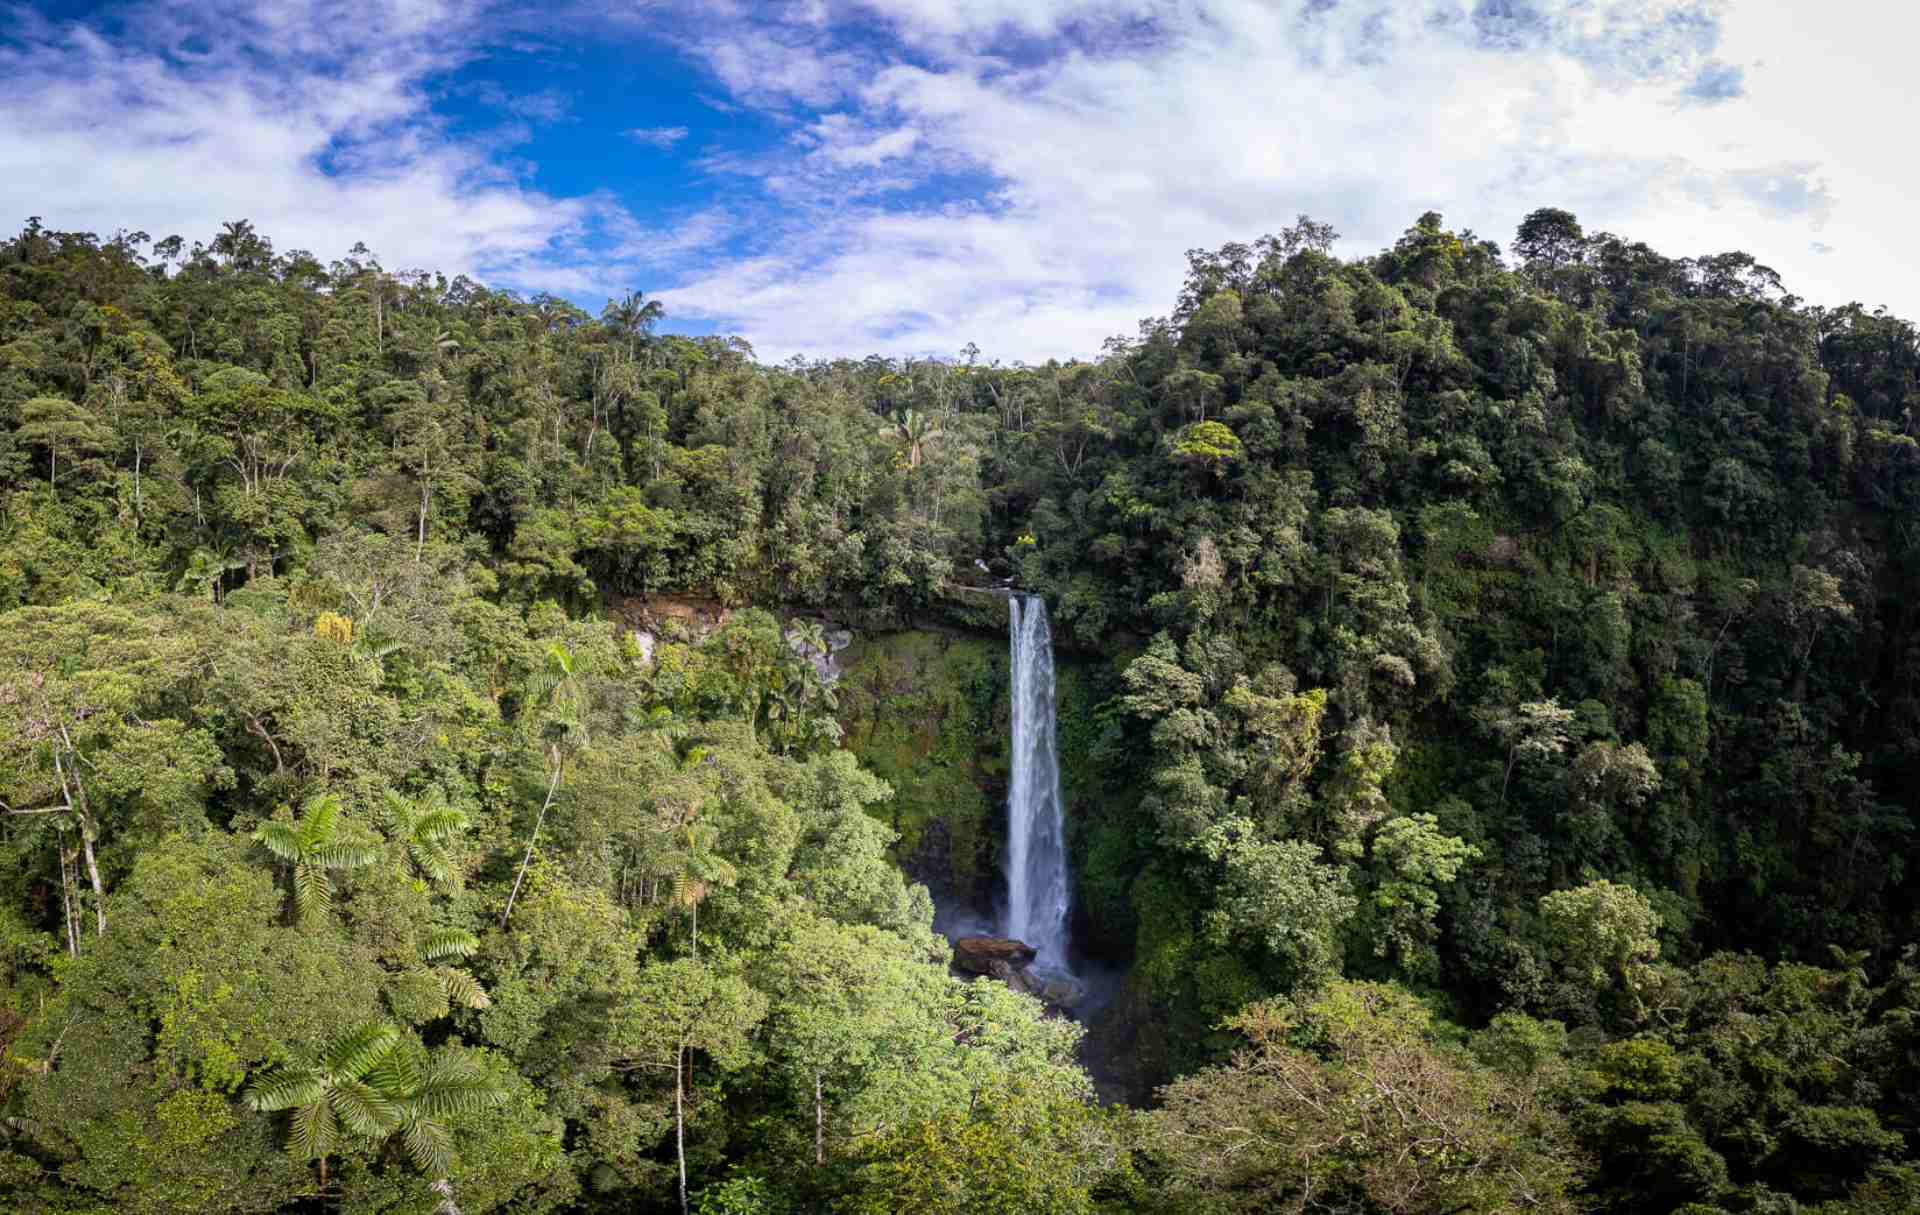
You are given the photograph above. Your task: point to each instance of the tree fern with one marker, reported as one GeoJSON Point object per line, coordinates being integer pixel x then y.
{"type": "Point", "coordinates": [312, 845]}
{"type": "Point", "coordinates": [426, 827]}
{"type": "Point", "coordinates": [368, 1085]}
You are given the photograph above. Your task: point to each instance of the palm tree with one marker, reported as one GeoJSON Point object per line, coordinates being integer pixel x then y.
{"type": "Point", "coordinates": [633, 318]}
{"type": "Point", "coordinates": [369, 1085]}
{"type": "Point", "coordinates": [697, 868]}
{"type": "Point", "coordinates": [426, 826]}
{"type": "Point", "coordinates": [312, 846]}
{"type": "Point", "coordinates": [810, 634]}
{"type": "Point", "coordinates": [561, 690]}
{"type": "Point", "coordinates": [207, 567]}
{"type": "Point", "coordinates": [917, 429]}
{"type": "Point", "coordinates": [239, 245]}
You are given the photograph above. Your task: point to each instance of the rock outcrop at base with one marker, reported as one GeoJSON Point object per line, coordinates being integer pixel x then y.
{"type": "Point", "coordinates": [1011, 962]}
{"type": "Point", "coordinates": [978, 955]}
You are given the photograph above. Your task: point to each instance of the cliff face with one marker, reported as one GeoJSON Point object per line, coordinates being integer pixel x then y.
{"type": "Point", "coordinates": [927, 711]}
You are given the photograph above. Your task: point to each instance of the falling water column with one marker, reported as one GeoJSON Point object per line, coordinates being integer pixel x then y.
{"type": "Point", "coordinates": [1036, 833]}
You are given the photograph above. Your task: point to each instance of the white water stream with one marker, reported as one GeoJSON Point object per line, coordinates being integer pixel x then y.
{"type": "Point", "coordinates": [1036, 832]}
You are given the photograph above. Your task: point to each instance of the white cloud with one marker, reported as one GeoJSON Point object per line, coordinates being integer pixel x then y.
{"type": "Point", "coordinates": [312, 119]}
{"type": "Point", "coordinates": [1101, 140]}
{"type": "Point", "coordinates": [839, 141]}
{"type": "Point", "coordinates": [657, 137]}
{"type": "Point", "coordinates": [1221, 119]}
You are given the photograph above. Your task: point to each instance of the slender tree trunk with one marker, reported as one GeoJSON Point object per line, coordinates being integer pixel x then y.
{"type": "Point", "coordinates": [76, 796]}
{"type": "Point", "coordinates": [447, 1206]}
{"type": "Point", "coordinates": [68, 914]}
{"type": "Point", "coordinates": [552, 787]}
{"type": "Point", "coordinates": [680, 1123]}
{"type": "Point", "coordinates": [254, 726]}
{"type": "Point", "coordinates": [93, 877]}
{"type": "Point", "coordinates": [426, 498]}
{"type": "Point", "coordinates": [819, 1123]}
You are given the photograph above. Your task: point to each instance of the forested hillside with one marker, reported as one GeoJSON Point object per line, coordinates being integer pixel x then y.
{"type": "Point", "coordinates": [1489, 744]}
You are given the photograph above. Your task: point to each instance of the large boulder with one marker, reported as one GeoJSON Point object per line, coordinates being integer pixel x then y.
{"type": "Point", "coordinates": [1061, 991]}
{"type": "Point", "coordinates": [1053, 988]}
{"type": "Point", "coordinates": [978, 955]}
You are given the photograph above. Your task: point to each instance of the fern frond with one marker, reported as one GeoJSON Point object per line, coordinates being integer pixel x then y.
{"type": "Point", "coordinates": [439, 825]}
{"type": "Point", "coordinates": [433, 862]}
{"type": "Point", "coordinates": [356, 1052]}
{"type": "Point", "coordinates": [429, 1145]}
{"type": "Point", "coordinates": [396, 1075]}
{"type": "Point", "coordinates": [318, 816]}
{"type": "Point", "coordinates": [342, 856]}
{"type": "Point", "coordinates": [449, 943]}
{"type": "Point", "coordinates": [315, 1130]}
{"type": "Point", "coordinates": [364, 1109]}
{"type": "Point", "coordinates": [463, 989]}
{"type": "Point", "coordinates": [312, 891]}
{"type": "Point", "coordinates": [281, 839]}
{"type": "Point", "coordinates": [283, 1090]}
{"type": "Point", "coordinates": [396, 810]}
{"type": "Point", "coordinates": [456, 1086]}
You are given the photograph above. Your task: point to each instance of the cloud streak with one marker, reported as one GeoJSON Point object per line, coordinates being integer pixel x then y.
{"type": "Point", "coordinates": [662, 138]}
{"type": "Point", "coordinates": [318, 122]}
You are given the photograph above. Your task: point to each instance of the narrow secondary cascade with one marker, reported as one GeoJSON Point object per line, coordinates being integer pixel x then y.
{"type": "Point", "coordinates": [1036, 831]}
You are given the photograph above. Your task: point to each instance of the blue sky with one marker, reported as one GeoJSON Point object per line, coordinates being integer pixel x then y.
{"type": "Point", "coordinates": [840, 177]}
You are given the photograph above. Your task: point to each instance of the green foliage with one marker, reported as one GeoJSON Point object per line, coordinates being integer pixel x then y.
{"type": "Point", "coordinates": [1603, 933]}
{"type": "Point", "coordinates": [925, 713]}
{"type": "Point", "coordinates": [1412, 859]}
{"type": "Point", "coordinates": [1019, 1149]}
{"type": "Point", "coordinates": [1350, 1098]}
{"type": "Point", "coordinates": [368, 1085]}
{"type": "Point", "coordinates": [1524, 631]}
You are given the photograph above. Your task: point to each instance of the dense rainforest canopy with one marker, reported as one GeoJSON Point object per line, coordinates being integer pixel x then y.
{"type": "Point", "coordinates": [1495, 785]}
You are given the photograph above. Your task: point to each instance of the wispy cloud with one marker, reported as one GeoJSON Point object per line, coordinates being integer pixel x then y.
{"type": "Point", "coordinates": [543, 105]}
{"type": "Point", "coordinates": [1716, 82]}
{"type": "Point", "coordinates": [657, 137]}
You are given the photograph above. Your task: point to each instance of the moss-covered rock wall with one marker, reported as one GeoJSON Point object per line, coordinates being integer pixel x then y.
{"type": "Point", "coordinates": [927, 712]}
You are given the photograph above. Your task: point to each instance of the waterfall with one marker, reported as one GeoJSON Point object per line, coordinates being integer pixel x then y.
{"type": "Point", "coordinates": [1036, 832]}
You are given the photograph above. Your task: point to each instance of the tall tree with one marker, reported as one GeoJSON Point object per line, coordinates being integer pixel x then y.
{"type": "Point", "coordinates": [680, 1008]}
